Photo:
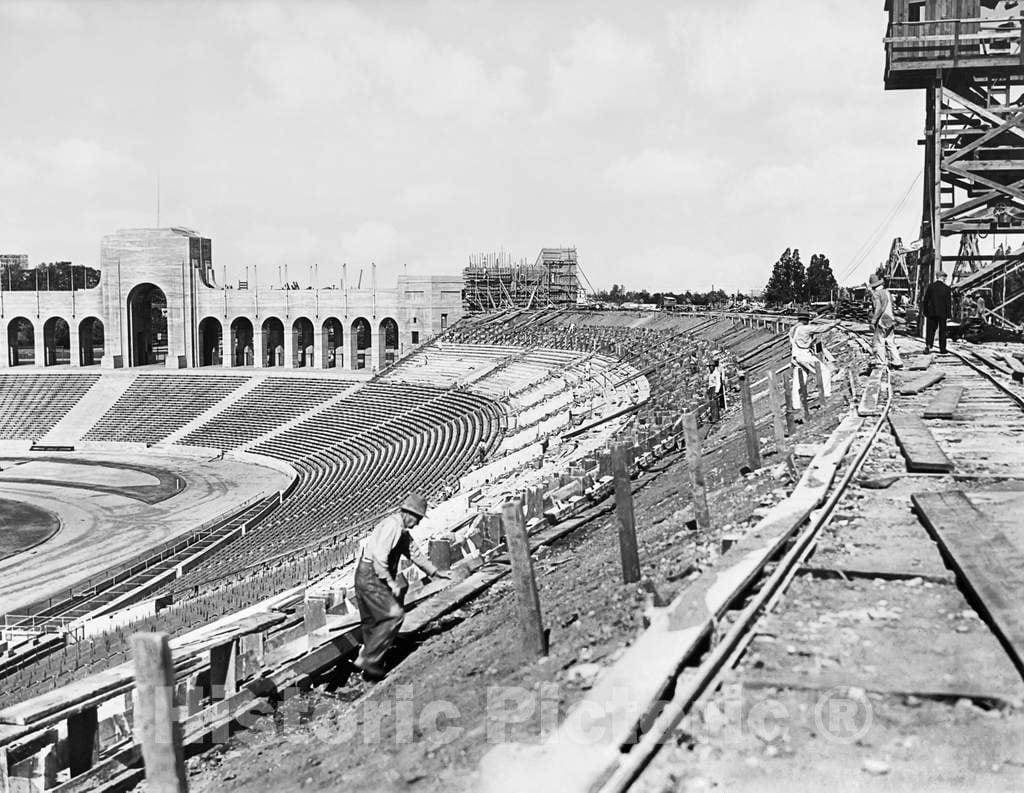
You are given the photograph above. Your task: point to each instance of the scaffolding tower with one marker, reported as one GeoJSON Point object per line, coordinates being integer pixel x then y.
{"type": "Point", "coordinates": [496, 281]}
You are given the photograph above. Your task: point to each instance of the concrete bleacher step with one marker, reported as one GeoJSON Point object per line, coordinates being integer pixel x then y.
{"type": "Point", "coordinates": [206, 416]}
{"type": "Point", "coordinates": [323, 406]}
{"type": "Point", "coordinates": [84, 415]}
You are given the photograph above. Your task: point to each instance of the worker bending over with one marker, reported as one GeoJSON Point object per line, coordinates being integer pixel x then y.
{"type": "Point", "coordinates": [804, 343]}
{"type": "Point", "coordinates": [379, 593]}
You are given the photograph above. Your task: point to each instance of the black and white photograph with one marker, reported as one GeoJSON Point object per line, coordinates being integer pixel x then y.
{"type": "Point", "coordinates": [511, 396]}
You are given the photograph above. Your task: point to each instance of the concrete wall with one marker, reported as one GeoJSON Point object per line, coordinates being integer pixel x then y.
{"type": "Point", "coordinates": [420, 306]}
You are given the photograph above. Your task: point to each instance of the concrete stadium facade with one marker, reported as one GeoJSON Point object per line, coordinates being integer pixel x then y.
{"type": "Point", "coordinates": [158, 302]}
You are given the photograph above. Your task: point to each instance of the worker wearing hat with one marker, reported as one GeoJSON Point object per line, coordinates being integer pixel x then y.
{"type": "Point", "coordinates": [937, 306]}
{"type": "Point", "coordinates": [883, 323]}
{"type": "Point", "coordinates": [803, 340]}
{"type": "Point", "coordinates": [379, 590]}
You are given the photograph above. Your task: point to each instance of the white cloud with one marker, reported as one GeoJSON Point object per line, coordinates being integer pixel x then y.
{"type": "Point", "coordinates": [428, 195]}
{"type": "Point", "coordinates": [371, 241]}
{"type": "Point", "coordinates": [661, 173]}
{"type": "Point", "coordinates": [40, 14]}
{"type": "Point", "coordinates": [602, 71]}
{"type": "Point", "coordinates": [86, 161]}
{"type": "Point", "coordinates": [326, 55]}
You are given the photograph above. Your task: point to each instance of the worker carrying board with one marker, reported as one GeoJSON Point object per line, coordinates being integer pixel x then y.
{"type": "Point", "coordinates": [379, 588]}
{"type": "Point", "coordinates": [806, 352]}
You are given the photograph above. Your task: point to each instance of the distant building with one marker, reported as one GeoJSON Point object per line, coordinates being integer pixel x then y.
{"type": "Point", "coordinates": [157, 302]}
{"type": "Point", "coordinates": [14, 261]}
{"type": "Point", "coordinates": [496, 281]}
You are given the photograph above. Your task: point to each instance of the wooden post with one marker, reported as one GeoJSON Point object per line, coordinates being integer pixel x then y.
{"type": "Point", "coordinates": [853, 384]}
{"type": "Point", "coordinates": [530, 624]}
{"type": "Point", "coordinates": [775, 400]}
{"type": "Point", "coordinates": [696, 468]}
{"type": "Point", "coordinates": [753, 447]}
{"type": "Point", "coordinates": [83, 741]}
{"type": "Point", "coordinates": [156, 728]}
{"type": "Point", "coordinates": [627, 523]}
{"type": "Point", "coordinates": [5, 784]}
{"type": "Point", "coordinates": [787, 395]}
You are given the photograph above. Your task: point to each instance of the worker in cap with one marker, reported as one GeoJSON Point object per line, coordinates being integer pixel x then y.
{"type": "Point", "coordinates": [804, 347]}
{"type": "Point", "coordinates": [716, 389]}
{"type": "Point", "coordinates": [379, 587]}
{"type": "Point", "coordinates": [937, 307]}
{"type": "Point", "coordinates": [883, 324]}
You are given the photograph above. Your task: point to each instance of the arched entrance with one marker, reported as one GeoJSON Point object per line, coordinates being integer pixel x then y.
{"type": "Point", "coordinates": [361, 342]}
{"type": "Point", "coordinates": [241, 342]}
{"type": "Point", "coordinates": [273, 342]}
{"type": "Point", "coordinates": [147, 325]}
{"type": "Point", "coordinates": [211, 333]}
{"type": "Point", "coordinates": [90, 341]}
{"type": "Point", "coordinates": [387, 342]}
{"type": "Point", "coordinates": [302, 342]}
{"type": "Point", "coordinates": [21, 342]}
{"type": "Point", "coordinates": [332, 337]}
{"type": "Point", "coordinates": [56, 341]}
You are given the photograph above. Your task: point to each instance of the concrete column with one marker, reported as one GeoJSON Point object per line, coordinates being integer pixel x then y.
{"type": "Point", "coordinates": [75, 350]}
{"type": "Point", "coordinates": [319, 349]}
{"type": "Point", "coordinates": [257, 348]}
{"type": "Point", "coordinates": [40, 359]}
{"type": "Point", "coordinates": [5, 353]}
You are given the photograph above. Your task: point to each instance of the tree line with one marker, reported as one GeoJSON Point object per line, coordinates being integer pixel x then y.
{"type": "Point", "coordinates": [791, 282]}
{"type": "Point", "coordinates": [52, 276]}
{"type": "Point", "coordinates": [619, 294]}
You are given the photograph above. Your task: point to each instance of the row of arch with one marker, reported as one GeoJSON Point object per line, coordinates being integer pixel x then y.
{"type": "Point", "coordinates": [299, 345]}
{"type": "Point", "coordinates": [57, 342]}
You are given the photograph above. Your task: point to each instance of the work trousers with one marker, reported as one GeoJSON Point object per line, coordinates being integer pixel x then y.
{"type": "Point", "coordinates": [885, 342]}
{"type": "Point", "coordinates": [931, 324]}
{"type": "Point", "coordinates": [380, 614]}
{"type": "Point", "coordinates": [805, 366]}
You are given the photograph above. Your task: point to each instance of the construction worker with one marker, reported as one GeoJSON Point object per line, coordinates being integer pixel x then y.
{"type": "Point", "coordinates": [937, 306]}
{"type": "Point", "coordinates": [883, 323]}
{"type": "Point", "coordinates": [716, 389]}
{"type": "Point", "coordinates": [379, 592]}
{"type": "Point", "coordinates": [803, 342]}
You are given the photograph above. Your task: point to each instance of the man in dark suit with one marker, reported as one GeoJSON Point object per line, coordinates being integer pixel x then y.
{"type": "Point", "coordinates": [936, 306]}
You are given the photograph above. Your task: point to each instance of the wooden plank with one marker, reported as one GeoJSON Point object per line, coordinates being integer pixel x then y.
{"type": "Point", "coordinates": [990, 565]}
{"type": "Point", "coordinates": [918, 446]}
{"type": "Point", "coordinates": [869, 399]}
{"type": "Point", "coordinates": [157, 729]}
{"type": "Point", "coordinates": [919, 384]}
{"type": "Point", "coordinates": [921, 362]}
{"type": "Point", "coordinates": [1016, 367]}
{"type": "Point", "coordinates": [943, 406]}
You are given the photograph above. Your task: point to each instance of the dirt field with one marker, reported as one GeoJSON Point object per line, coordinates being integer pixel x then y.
{"type": "Point", "coordinates": [23, 525]}
{"type": "Point", "coordinates": [466, 685]}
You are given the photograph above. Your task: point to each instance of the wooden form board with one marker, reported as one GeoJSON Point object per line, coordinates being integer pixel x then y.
{"type": "Point", "coordinates": [919, 384]}
{"type": "Point", "coordinates": [872, 393]}
{"type": "Point", "coordinates": [918, 446]}
{"type": "Point", "coordinates": [945, 402]}
{"type": "Point", "coordinates": [921, 362]}
{"type": "Point", "coordinates": [991, 565]}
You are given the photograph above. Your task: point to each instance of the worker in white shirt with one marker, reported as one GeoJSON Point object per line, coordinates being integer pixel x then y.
{"type": "Point", "coordinates": [803, 340]}
{"type": "Point", "coordinates": [716, 389]}
{"type": "Point", "coordinates": [379, 593]}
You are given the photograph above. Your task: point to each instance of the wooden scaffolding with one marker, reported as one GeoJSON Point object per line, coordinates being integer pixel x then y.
{"type": "Point", "coordinates": [496, 281]}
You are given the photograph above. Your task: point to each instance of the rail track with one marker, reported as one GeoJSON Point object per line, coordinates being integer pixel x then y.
{"type": "Point", "coordinates": [859, 612]}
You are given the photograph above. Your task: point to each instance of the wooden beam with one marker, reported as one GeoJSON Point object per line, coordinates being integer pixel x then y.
{"type": "Point", "coordinates": [920, 383]}
{"type": "Point", "coordinates": [945, 402]}
{"type": "Point", "coordinates": [921, 362]}
{"type": "Point", "coordinates": [156, 726]}
{"type": "Point", "coordinates": [627, 522]}
{"type": "Point", "coordinates": [531, 625]}
{"type": "Point", "coordinates": [919, 448]}
{"type": "Point", "coordinates": [987, 561]}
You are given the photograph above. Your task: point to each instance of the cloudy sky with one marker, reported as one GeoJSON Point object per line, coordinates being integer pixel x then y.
{"type": "Point", "coordinates": [677, 145]}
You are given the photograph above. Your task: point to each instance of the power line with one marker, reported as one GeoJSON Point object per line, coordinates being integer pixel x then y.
{"type": "Point", "coordinates": [875, 236]}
